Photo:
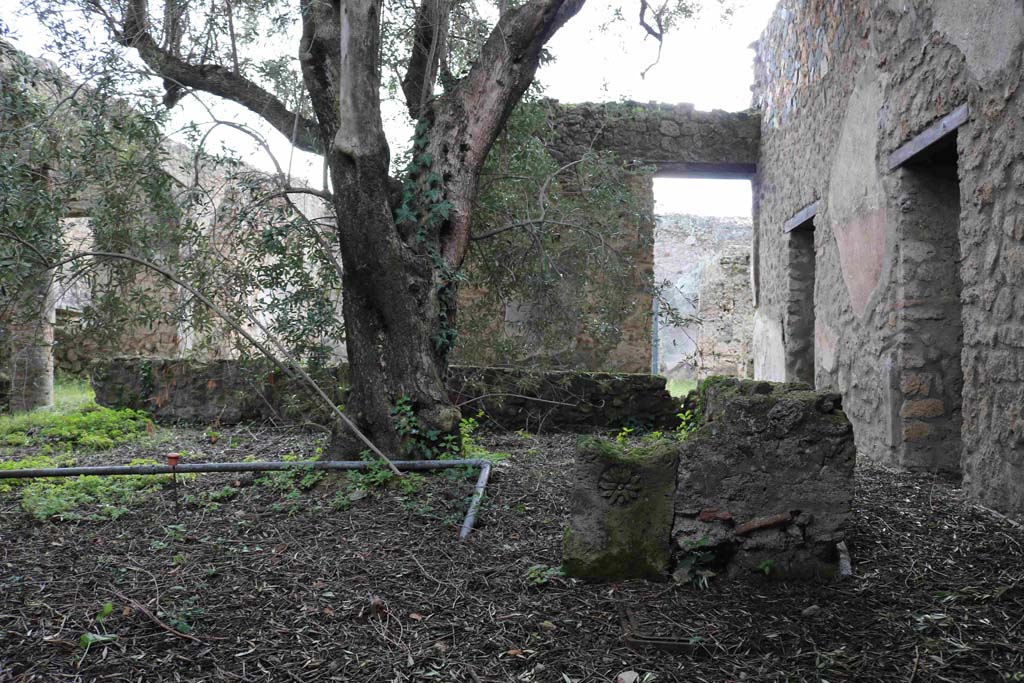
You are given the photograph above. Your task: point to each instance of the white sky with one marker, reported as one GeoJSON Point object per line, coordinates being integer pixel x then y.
{"type": "Point", "coordinates": [704, 61]}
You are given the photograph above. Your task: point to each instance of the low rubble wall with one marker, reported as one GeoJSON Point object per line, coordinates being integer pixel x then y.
{"type": "Point", "coordinates": [231, 391]}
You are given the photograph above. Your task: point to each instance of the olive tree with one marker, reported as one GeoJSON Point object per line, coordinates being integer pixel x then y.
{"type": "Point", "coordinates": [460, 66]}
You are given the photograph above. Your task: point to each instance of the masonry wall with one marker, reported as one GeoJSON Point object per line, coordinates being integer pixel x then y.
{"type": "Point", "coordinates": [702, 269]}
{"type": "Point", "coordinates": [841, 84]}
{"type": "Point", "coordinates": [726, 314]}
{"type": "Point", "coordinates": [670, 140]}
{"type": "Point", "coordinates": [674, 138]}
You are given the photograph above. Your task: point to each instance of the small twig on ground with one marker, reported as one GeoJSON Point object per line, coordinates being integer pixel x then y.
{"type": "Point", "coordinates": [155, 619]}
{"type": "Point", "coordinates": [1001, 516]}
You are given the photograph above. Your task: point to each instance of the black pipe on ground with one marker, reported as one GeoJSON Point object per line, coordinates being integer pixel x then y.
{"type": "Point", "coordinates": [270, 466]}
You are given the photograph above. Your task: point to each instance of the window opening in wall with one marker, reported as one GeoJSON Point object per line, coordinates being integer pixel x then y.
{"type": "Point", "coordinates": [800, 315]}
{"type": "Point", "coordinates": [703, 305]}
{"type": "Point", "coordinates": [931, 326]}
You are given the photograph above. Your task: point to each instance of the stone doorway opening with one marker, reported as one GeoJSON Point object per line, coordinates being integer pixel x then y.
{"type": "Point", "coordinates": [703, 304]}
{"type": "Point", "coordinates": [800, 315]}
{"type": "Point", "coordinates": [930, 321]}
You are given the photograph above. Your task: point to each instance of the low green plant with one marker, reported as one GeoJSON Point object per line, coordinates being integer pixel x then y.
{"type": "Point", "coordinates": [108, 497]}
{"type": "Point", "coordinates": [410, 483]}
{"type": "Point", "coordinates": [471, 450]}
{"type": "Point", "coordinates": [293, 480]}
{"type": "Point", "coordinates": [419, 443]}
{"type": "Point", "coordinates": [376, 474]}
{"type": "Point", "coordinates": [341, 501]}
{"type": "Point", "coordinates": [182, 620]}
{"type": "Point", "coordinates": [88, 427]}
{"type": "Point", "coordinates": [766, 566]}
{"type": "Point", "coordinates": [694, 567]}
{"type": "Point", "coordinates": [223, 494]}
{"type": "Point", "coordinates": [622, 438]}
{"type": "Point", "coordinates": [90, 638]}
{"type": "Point", "coordinates": [653, 437]}
{"type": "Point", "coordinates": [688, 423]}
{"type": "Point", "coordinates": [541, 574]}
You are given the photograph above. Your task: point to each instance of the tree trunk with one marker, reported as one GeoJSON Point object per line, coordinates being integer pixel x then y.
{"type": "Point", "coordinates": [30, 334]}
{"type": "Point", "coordinates": [393, 328]}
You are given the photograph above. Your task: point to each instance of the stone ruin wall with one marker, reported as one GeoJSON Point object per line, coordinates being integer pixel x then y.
{"type": "Point", "coordinates": [672, 140]}
{"type": "Point", "coordinates": [841, 85]}
{"type": "Point", "coordinates": [726, 314]}
{"type": "Point", "coordinates": [702, 267]}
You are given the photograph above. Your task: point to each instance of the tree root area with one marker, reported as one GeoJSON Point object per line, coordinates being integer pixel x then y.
{"type": "Point", "coordinates": [335, 583]}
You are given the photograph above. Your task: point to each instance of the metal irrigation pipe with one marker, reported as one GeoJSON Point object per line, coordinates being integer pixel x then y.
{"type": "Point", "coordinates": [269, 466]}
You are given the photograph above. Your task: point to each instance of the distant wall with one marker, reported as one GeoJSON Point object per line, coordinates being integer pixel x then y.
{"type": "Point", "coordinates": [726, 312]}
{"type": "Point", "coordinates": [674, 138]}
{"type": "Point", "coordinates": [702, 269]}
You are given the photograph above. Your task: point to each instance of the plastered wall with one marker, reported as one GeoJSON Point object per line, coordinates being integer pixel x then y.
{"type": "Point", "coordinates": [919, 313]}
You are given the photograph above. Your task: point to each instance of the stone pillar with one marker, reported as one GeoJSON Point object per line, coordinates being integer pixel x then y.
{"type": "Point", "coordinates": [30, 344]}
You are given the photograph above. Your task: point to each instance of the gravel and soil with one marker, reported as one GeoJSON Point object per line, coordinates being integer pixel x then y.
{"type": "Point", "coordinates": [249, 580]}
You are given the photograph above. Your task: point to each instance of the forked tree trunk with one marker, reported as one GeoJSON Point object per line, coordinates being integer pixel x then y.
{"type": "Point", "coordinates": [30, 335]}
{"type": "Point", "coordinates": [398, 286]}
{"type": "Point", "coordinates": [391, 313]}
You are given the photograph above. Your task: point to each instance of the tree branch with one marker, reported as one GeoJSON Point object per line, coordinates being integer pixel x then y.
{"type": "Point", "coordinates": [484, 99]}
{"type": "Point", "coordinates": [319, 55]}
{"type": "Point", "coordinates": [427, 48]}
{"type": "Point", "coordinates": [214, 79]}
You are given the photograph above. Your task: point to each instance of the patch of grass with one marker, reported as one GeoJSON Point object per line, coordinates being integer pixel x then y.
{"type": "Point", "coordinates": [71, 393]}
{"type": "Point", "coordinates": [108, 497]}
{"type": "Point", "coordinates": [87, 427]}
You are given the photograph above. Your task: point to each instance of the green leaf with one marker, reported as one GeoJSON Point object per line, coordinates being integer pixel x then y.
{"type": "Point", "coordinates": [88, 639]}
{"type": "Point", "coordinates": [104, 612]}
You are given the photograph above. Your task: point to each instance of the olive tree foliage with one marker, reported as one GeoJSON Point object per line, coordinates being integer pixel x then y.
{"type": "Point", "coordinates": [317, 72]}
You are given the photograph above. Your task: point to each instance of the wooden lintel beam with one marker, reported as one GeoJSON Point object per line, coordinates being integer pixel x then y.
{"type": "Point", "coordinates": [934, 133]}
{"type": "Point", "coordinates": [691, 169]}
{"type": "Point", "coordinates": [801, 217]}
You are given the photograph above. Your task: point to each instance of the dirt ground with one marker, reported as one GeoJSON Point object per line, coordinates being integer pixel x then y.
{"type": "Point", "coordinates": [272, 584]}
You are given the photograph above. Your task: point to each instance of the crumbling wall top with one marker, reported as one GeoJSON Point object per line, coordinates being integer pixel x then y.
{"type": "Point", "coordinates": [675, 138]}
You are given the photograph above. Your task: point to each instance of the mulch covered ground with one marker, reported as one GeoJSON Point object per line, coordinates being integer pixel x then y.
{"type": "Point", "coordinates": [271, 586]}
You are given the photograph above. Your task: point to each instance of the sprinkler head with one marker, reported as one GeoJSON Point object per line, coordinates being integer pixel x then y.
{"type": "Point", "coordinates": [172, 459]}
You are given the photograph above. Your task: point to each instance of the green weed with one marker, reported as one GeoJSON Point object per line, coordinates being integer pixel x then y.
{"type": "Point", "coordinates": [88, 427]}
{"type": "Point", "coordinates": [108, 497]}
{"type": "Point", "coordinates": [541, 574]}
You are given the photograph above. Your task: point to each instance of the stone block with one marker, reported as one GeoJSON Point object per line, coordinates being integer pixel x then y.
{"type": "Point", "coordinates": [918, 431]}
{"type": "Point", "coordinates": [923, 408]}
{"type": "Point", "coordinates": [766, 481]}
{"type": "Point", "coordinates": [621, 512]}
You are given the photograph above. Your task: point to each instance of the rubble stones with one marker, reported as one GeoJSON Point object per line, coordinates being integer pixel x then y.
{"type": "Point", "coordinates": [766, 477]}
